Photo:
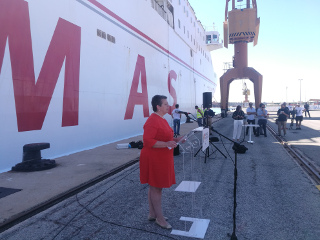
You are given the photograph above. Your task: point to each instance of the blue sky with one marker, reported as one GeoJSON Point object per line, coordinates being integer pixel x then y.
{"type": "Point", "coordinates": [288, 48]}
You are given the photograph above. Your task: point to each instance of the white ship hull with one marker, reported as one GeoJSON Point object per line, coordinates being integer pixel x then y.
{"type": "Point", "coordinates": [79, 74]}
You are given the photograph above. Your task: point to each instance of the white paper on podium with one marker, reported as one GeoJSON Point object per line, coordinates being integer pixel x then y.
{"type": "Point", "coordinates": [198, 129]}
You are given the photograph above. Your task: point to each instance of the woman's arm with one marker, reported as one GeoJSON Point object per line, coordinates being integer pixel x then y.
{"type": "Point", "coordinates": [161, 144]}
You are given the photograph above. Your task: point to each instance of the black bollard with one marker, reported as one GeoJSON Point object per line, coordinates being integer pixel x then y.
{"type": "Point", "coordinates": [32, 160]}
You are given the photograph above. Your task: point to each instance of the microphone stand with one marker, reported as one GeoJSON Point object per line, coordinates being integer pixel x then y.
{"type": "Point", "coordinates": [207, 153]}
{"type": "Point", "coordinates": [235, 148]}
{"type": "Point", "coordinates": [188, 117]}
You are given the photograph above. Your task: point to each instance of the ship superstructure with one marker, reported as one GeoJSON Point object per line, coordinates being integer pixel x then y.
{"type": "Point", "coordinates": [81, 73]}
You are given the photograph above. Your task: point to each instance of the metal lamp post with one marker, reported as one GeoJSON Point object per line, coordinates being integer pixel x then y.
{"type": "Point", "coordinates": [300, 89]}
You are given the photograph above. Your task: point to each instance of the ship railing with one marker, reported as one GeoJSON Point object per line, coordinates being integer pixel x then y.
{"type": "Point", "coordinates": [160, 9]}
{"type": "Point", "coordinates": [227, 66]}
{"type": "Point", "coordinates": [243, 5]}
{"type": "Point", "coordinates": [168, 17]}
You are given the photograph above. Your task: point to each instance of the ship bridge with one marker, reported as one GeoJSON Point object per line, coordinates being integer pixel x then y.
{"type": "Point", "coordinates": [213, 41]}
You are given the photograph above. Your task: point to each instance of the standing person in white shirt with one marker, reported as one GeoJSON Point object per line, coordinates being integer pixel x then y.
{"type": "Point", "coordinates": [251, 112]}
{"type": "Point", "coordinates": [176, 120]}
{"type": "Point", "coordinates": [299, 116]}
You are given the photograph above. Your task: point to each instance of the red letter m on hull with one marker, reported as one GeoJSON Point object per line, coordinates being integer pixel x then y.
{"type": "Point", "coordinates": [32, 98]}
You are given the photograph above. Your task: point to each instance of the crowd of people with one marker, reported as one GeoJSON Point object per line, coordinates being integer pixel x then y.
{"type": "Point", "coordinates": [284, 113]}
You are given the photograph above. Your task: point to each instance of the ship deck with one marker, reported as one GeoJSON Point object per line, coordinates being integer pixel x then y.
{"type": "Point", "coordinates": [96, 194]}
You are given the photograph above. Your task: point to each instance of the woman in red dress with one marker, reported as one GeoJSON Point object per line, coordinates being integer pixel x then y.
{"type": "Point", "coordinates": [156, 158]}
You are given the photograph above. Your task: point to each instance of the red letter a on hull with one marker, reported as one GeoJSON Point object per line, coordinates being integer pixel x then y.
{"type": "Point", "coordinates": [136, 98]}
{"type": "Point", "coordinates": [32, 98]}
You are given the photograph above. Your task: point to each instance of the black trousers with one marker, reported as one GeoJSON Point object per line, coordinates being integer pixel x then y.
{"type": "Point", "coordinates": [254, 129]}
{"type": "Point", "coordinates": [305, 113]}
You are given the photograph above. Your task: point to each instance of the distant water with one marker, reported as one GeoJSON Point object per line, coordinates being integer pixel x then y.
{"type": "Point", "coordinates": [216, 110]}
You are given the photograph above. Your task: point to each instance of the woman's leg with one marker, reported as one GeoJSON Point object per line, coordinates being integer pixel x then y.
{"type": "Point", "coordinates": [152, 212]}
{"type": "Point", "coordinates": [240, 123]}
{"type": "Point", "coordinates": [234, 129]}
{"type": "Point", "coordinates": [154, 198]}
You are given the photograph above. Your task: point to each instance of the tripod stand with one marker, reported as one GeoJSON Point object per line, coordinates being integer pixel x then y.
{"type": "Point", "coordinates": [207, 154]}
{"type": "Point", "coordinates": [236, 147]}
{"type": "Point", "coordinates": [211, 140]}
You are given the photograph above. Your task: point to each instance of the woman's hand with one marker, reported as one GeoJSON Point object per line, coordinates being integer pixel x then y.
{"type": "Point", "coordinates": [171, 144]}
{"type": "Point", "coordinates": [180, 139]}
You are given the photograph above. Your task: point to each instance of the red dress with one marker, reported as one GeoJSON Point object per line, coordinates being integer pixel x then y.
{"type": "Point", "coordinates": [156, 164]}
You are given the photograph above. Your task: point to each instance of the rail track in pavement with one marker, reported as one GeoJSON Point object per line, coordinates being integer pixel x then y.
{"type": "Point", "coordinates": [312, 171]}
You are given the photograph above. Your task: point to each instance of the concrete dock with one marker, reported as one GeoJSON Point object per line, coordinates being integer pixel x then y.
{"type": "Point", "coordinates": [275, 198]}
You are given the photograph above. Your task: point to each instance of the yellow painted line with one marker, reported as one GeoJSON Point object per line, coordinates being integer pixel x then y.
{"type": "Point", "coordinates": [318, 186]}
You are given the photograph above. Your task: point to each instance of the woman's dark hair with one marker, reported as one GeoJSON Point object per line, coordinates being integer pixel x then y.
{"type": "Point", "coordinates": [157, 100]}
{"type": "Point", "coordinates": [238, 108]}
{"type": "Point", "coordinates": [261, 104]}
{"type": "Point", "coordinates": [177, 105]}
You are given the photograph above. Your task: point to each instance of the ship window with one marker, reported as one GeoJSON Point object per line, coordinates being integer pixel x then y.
{"type": "Point", "coordinates": [215, 37]}
{"type": "Point", "coordinates": [179, 2]}
{"type": "Point", "coordinates": [191, 52]}
{"type": "Point", "coordinates": [111, 38]}
{"type": "Point", "coordinates": [179, 23]}
{"type": "Point", "coordinates": [99, 33]}
{"type": "Point", "coordinates": [191, 38]}
{"type": "Point", "coordinates": [208, 39]}
{"type": "Point", "coordinates": [188, 34]}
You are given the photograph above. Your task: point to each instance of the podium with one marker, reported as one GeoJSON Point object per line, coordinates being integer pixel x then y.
{"type": "Point", "coordinates": [188, 145]}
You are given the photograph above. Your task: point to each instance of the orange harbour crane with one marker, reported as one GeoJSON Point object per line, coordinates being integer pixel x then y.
{"type": "Point", "coordinates": [240, 27]}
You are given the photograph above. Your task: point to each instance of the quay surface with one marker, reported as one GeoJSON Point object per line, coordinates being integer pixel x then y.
{"type": "Point", "coordinates": [275, 197]}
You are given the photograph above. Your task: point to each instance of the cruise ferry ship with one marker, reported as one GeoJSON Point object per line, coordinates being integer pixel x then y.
{"type": "Point", "coordinates": [81, 73]}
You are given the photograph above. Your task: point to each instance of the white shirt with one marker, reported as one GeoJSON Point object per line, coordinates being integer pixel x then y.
{"type": "Point", "coordinates": [251, 110]}
{"type": "Point", "coordinates": [299, 111]}
{"type": "Point", "coordinates": [175, 113]}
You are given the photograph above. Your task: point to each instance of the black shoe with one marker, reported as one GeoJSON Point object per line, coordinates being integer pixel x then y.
{"type": "Point", "coordinates": [257, 135]}
{"type": "Point", "coordinates": [265, 135]}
